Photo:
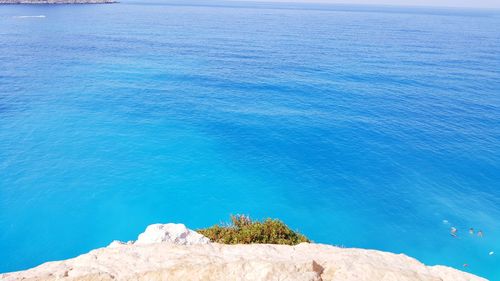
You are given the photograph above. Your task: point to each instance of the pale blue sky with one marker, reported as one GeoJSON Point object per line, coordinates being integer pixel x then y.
{"type": "Point", "coordinates": [445, 3]}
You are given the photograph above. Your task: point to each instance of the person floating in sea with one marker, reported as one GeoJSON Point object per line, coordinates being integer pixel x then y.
{"type": "Point", "coordinates": [453, 232]}
{"type": "Point", "coordinates": [471, 231]}
{"type": "Point", "coordinates": [480, 233]}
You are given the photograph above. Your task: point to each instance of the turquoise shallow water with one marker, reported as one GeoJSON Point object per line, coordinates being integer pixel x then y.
{"type": "Point", "coordinates": [359, 126]}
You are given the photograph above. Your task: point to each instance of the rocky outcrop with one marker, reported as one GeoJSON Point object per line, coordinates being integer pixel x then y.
{"type": "Point", "coordinates": [57, 1]}
{"type": "Point", "coordinates": [171, 233]}
{"type": "Point", "coordinates": [173, 252]}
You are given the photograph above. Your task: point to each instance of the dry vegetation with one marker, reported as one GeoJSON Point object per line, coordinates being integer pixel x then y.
{"type": "Point", "coordinates": [243, 230]}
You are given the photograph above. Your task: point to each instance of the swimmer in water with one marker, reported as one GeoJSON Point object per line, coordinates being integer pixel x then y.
{"type": "Point", "coordinates": [471, 231]}
{"type": "Point", "coordinates": [480, 233]}
{"type": "Point", "coordinates": [453, 232]}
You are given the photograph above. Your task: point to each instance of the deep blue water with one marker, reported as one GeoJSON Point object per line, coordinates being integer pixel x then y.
{"type": "Point", "coordinates": [359, 126]}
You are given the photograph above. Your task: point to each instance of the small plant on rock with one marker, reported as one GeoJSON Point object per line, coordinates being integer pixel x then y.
{"type": "Point", "coordinates": [243, 230]}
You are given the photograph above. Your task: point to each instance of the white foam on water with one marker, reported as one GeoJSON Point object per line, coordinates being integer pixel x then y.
{"type": "Point", "coordinates": [25, 17]}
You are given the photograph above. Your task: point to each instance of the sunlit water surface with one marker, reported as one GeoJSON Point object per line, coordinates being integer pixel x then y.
{"type": "Point", "coordinates": [365, 127]}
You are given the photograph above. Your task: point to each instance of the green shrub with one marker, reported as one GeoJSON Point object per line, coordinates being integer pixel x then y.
{"type": "Point", "coordinates": [243, 230]}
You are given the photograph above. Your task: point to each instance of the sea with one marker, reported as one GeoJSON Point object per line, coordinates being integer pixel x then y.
{"type": "Point", "coordinates": [359, 126]}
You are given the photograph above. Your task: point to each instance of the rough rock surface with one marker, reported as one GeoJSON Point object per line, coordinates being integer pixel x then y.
{"type": "Point", "coordinates": [166, 254]}
{"type": "Point", "coordinates": [171, 233]}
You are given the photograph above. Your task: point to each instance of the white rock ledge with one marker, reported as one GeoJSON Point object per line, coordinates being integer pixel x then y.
{"type": "Point", "coordinates": [171, 233]}
{"type": "Point", "coordinates": [173, 252]}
